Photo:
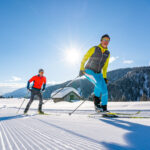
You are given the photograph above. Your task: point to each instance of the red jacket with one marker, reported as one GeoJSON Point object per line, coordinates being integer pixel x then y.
{"type": "Point", "coordinates": [38, 81]}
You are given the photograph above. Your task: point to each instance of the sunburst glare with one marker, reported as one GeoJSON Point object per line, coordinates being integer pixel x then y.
{"type": "Point", "coordinates": [72, 56]}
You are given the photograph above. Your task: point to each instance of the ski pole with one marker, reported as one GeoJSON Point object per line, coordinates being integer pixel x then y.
{"type": "Point", "coordinates": [21, 104]}
{"type": "Point", "coordinates": [81, 103]}
{"type": "Point", "coordinates": [77, 107]}
{"type": "Point", "coordinates": [61, 89]}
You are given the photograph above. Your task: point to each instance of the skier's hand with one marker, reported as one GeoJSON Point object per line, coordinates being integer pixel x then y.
{"type": "Point", "coordinates": [106, 80]}
{"type": "Point", "coordinates": [81, 73]}
{"type": "Point", "coordinates": [43, 90]}
{"type": "Point", "coordinates": [29, 90]}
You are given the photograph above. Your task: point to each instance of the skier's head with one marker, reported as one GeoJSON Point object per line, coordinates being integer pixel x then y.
{"type": "Point", "coordinates": [41, 72]}
{"type": "Point", "coordinates": [105, 40]}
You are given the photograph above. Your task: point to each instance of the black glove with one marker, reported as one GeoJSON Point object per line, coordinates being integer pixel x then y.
{"type": "Point", "coordinates": [29, 89]}
{"type": "Point", "coordinates": [81, 73]}
{"type": "Point", "coordinates": [43, 90]}
{"type": "Point", "coordinates": [106, 80]}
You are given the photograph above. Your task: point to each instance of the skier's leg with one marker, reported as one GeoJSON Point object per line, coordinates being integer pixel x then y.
{"type": "Point", "coordinates": [104, 98]}
{"type": "Point", "coordinates": [94, 78]}
{"type": "Point", "coordinates": [89, 74]}
{"type": "Point", "coordinates": [40, 102]}
{"type": "Point", "coordinates": [97, 89]}
{"type": "Point", "coordinates": [98, 92]}
{"type": "Point", "coordinates": [30, 102]}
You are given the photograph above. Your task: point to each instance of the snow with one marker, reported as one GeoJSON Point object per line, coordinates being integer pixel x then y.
{"type": "Point", "coordinates": [64, 92]}
{"type": "Point", "coordinates": [59, 131]}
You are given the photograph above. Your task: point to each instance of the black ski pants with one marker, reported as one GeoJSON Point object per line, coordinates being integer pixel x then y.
{"type": "Point", "coordinates": [33, 93]}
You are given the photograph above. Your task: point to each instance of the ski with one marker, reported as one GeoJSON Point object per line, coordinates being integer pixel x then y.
{"type": "Point", "coordinates": [113, 115]}
{"type": "Point", "coordinates": [49, 114]}
{"type": "Point", "coordinates": [28, 115]}
{"type": "Point", "coordinates": [128, 114]}
{"type": "Point", "coordinates": [103, 114]}
{"type": "Point", "coordinates": [44, 114]}
{"type": "Point", "coordinates": [135, 117]}
{"type": "Point", "coordinates": [123, 117]}
{"type": "Point", "coordinates": [117, 114]}
{"type": "Point", "coordinates": [108, 115]}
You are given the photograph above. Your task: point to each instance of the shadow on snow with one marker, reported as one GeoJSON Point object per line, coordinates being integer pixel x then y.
{"type": "Point", "coordinates": [138, 137]}
{"type": "Point", "coordinates": [11, 117]}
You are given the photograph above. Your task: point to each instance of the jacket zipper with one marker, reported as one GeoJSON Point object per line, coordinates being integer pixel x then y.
{"type": "Point", "coordinates": [39, 82]}
{"type": "Point", "coordinates": [100, 61]}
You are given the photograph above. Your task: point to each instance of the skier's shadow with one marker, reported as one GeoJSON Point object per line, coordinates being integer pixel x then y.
{"type": "Point", "coordinates": [11, 117]}
{"type": "Point", "coordinates": [138, 137]}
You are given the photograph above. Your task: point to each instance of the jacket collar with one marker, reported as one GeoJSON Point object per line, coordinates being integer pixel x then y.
{"type": "Point", "coordinates": [39, 76]}
{"type": "Point", "coordinates": [103, 49]}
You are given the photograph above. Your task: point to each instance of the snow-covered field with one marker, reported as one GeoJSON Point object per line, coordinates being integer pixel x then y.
{"type": "Point", "coordinates": [59, 131]}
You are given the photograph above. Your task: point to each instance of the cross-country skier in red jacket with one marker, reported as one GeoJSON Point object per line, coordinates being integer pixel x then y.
{"type": "Point", "coordinates": [39, 83]}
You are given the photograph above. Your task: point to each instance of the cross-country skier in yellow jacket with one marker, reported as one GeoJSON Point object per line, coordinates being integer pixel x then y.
{"type": "Point", "coordinates": [95, 71]}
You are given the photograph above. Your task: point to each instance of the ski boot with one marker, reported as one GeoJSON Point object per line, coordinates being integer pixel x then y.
{"type": "Point", "coordinates": [41, 112]}
{"type": "Point", "coordinates": [25, 113]}
{"type": "Point", "coordinates": [104, 109]}
{"type": "Point", "coordinates": [97, 101]}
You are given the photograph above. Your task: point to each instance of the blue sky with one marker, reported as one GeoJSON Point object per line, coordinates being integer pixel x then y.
{"type": "Point", "coordinates": [37, 34]}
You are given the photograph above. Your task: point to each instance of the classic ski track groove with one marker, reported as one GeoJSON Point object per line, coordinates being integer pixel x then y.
{"type": "Point", "coordinates": [2, 141]}
{"type": "Point", "coordinates": [76, 140]}
{"type": "Point", "coordinates": [37, 132]}
{"type": "Point", "coordinates": [5, 135]}
{"type": "Point", "coordinates": [28, 133]}
{"type": "Point", "coordinates": [21, 134]}
{"type": "Point", "coordinates": [86, 144]}
{"type": "Point", "coordinates": [14, 135]}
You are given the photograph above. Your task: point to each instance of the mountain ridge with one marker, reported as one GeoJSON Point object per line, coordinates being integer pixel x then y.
{"type": "Point", "coordinates": [125, 84]}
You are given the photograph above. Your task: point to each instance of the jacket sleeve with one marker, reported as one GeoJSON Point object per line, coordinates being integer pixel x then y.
{"type": "Point", "coordinates": [44, 85]}
{"type": "Point", "coordinates": [28, 85]}
{"type": "Point", "coordinates": [86, 57]}
{"type": "Point", "coordinates": [105, 67]}
{"type": "Point", "coordinates": [45, 80]}
{"type": "Point", "coordinates": [32, 79]}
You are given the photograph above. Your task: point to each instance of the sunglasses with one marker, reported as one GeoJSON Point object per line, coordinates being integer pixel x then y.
{"type": "Point", "coordinates": [106, 40]}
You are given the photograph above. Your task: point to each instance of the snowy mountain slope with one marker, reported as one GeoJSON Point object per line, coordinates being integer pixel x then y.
{"type": "Point", "coordinates": [17, 93]}
{"type": "Point", "coordinates": [128, 84]}
{"type": "Point", "coordinates": [60, 131]}
{"type": "Point", "coordinates": [132, 86]}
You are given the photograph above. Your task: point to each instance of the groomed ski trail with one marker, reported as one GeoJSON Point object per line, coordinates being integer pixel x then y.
{"type": "Point", "coordinates": [59, 131]}
{"type": "Point", "coordinates": [32, 133]}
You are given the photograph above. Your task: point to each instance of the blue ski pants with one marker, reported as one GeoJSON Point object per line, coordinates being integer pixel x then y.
{"type": "Point", "coordinates": [100, 85]}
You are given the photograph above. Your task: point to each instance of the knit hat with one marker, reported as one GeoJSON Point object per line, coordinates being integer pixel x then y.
{"type": "Point", "coordinates": [105, 35]}
{"type": "Point", "coordinates": [41, 70]}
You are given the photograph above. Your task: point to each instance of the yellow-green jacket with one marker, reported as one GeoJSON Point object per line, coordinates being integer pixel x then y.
{"type": "Point", "coordinates": [98, 60]}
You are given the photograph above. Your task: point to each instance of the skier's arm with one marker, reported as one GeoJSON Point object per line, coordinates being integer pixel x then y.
{"type": "Point", "coordinates": [86, 57]}
{"type": "Point", "coordinates": [105, 67]}
{"type": "Point", "coordinates": [28, 85]}
{"type": "Point", "coordinates": [31, 80]}
{"type": "Point", "coordinates": [44, 85]}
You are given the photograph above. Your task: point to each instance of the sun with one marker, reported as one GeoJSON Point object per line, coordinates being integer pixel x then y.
{"type": "Point", "coordinates": [72, 56]}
